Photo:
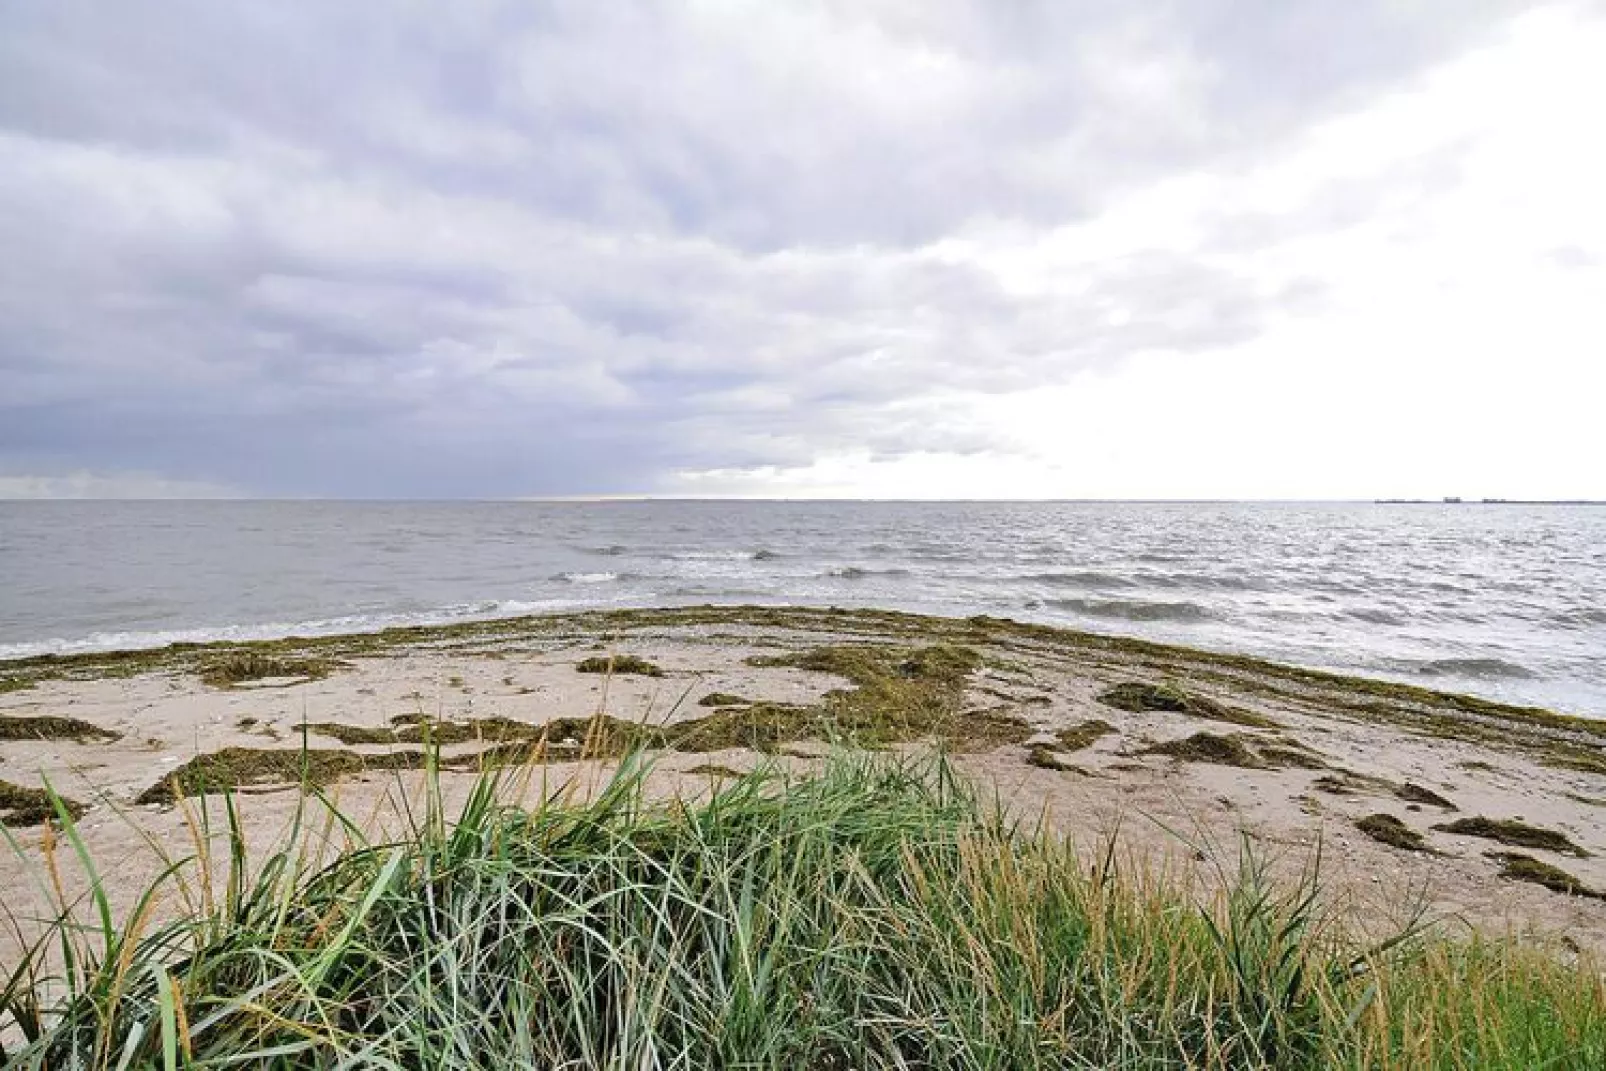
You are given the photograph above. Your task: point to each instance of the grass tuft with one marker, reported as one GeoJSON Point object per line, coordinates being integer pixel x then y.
{"type": "Point", "coordinates": [873, 915]}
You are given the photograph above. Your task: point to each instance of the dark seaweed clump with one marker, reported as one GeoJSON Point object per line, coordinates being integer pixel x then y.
{"type": "Point", "coordinates": [1517, 867]}
{"type": "Point", "coordinates": [1387, 829]}
{"type": "Point", "coordinates": [1050, 758]}
{"type": "Point", "coordinates": [723, 699]}
{"type": "Point", "coordinates": [1083, 734]}
{"type": "Point", "coordinates": [615, 664]}
{"type": "Point", "coordinates": [1238, 749]}
{"type": "Point", "coordinates": [49, 727]}
{"type": "Point", "coordinates": [242, 666]}
{"type": "Point", "coordinates": [1137, 698]}
{"type": "Point", "coordinates": [21, 806]}
{"type": "Point", "coordinates": [1517, 834]}
{"type": "Point", "coordinates": [1415, 793]}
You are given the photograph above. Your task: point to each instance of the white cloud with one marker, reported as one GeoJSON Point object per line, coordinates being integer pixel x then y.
{"type": "Point", "coordinates": [1445, 346]}
{"type": "Point", "coordinates": [918, 250]}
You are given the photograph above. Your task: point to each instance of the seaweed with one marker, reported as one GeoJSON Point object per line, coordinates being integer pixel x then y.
{"type": "Point", "coordinates": [1209, 748]}
{"type": "Point", "coordinates": [1137, 698]}
{"type": "Point", "coordinates": [1050, 758]}
{"type": "Point", "coordinates": [1387, 829]}
{"type": "Point", "coordinates": [709, 769]}
{"type": "Point", "coordinates": [243, 767]}
{"type": "Point", "coordinates": [418, 729]}
{"type": "Point", "coordinates": [351, 735]}
{"type": "Point", "coordinates": [618, 664]}
{"type": "Point", "coordinates": [567, 739]}
{"type": "Point", "coordinates": [723, 699]}
{"type": "Point", "coordinates": [1290, 752]}
{"type": "Point", "coordinates": [901, 695]}
{"type": "Point", "coordinates": [247, 665]}
{"type": "Point", "coordinates": [1517, 867]}
{"type": "Point", "coordinates": [21, 806]}
{"type": "Point", "coordinates": [49, 727]}
{"type": "Point", "coordinates": [1518, 834]}
{"type": "Point", "coordinates": [1415, 793]}
{"type": "Point", "coordinates": [1084, 734]}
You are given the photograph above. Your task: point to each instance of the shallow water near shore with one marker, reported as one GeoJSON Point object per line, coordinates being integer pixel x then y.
{"type": "Point", "coordinates": [1503, 601]}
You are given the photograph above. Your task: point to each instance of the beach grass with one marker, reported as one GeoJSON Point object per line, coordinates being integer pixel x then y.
{"type": "Point", "coordinates": [873, 913]}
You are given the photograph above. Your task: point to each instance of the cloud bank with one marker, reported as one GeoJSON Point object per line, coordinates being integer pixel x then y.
{"type": "Point", "coordinates": [908, 249]}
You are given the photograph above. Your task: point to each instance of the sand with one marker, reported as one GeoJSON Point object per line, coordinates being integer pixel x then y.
{"type": "Point", "coordinates": [1164, 812]}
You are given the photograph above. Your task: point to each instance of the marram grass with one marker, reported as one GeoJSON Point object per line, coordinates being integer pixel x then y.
{"type": "Point", "coordinates": [874, 915]}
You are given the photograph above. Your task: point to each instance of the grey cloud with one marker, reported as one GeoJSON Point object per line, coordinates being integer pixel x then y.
{"type": "Point", "coordinates": [487, 249]}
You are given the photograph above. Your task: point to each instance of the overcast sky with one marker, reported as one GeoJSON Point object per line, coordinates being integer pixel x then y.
{"type": "Point", "coordinates": [929, 248]}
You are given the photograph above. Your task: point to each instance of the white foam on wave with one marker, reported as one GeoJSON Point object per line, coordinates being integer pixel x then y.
{"type": "Point", "coordinates": [348, 624]}
{"type": "Point", "coordinates": [588, 578]}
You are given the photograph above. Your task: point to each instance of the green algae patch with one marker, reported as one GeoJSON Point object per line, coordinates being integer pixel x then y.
{"type": "Point", "coordinates": [242, 767]}
{"type": "Point", "coordinates": [618, 664]}
{"type": "Point", "coordinates": [1517, 867]}
{"type": "Point", "coordinates": [239, 667]}
{"type": "Point", "coordinates": [1083, 735]}
{"type": "Point", "coordinates": [1387, 829]}
{"type": "Point", "coordinates": [1136, 698]}
{"type": "Point", "coordinates": [1517, 834]}
{"type": "Point", "coordinates": [49, 727]}
{"type": "Point", "coordinates": [20, 806]}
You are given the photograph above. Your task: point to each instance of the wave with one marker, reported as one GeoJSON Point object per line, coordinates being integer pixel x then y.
{"type": "Point", "coordinates": [1133, 609]}
{"type": "Point", "coordinates": [1375, 617]}
{"type": "Point", "coordinates": [1484, 668]}
{"type": "Point", "coordinates": [762, 554]}
{"type": "Point", "coordinates": [854, 572]}
{"type": "Point", "coordinates": [348, 624]}
{"type": "Point", "coordinates": [589, 578]}
{"type": "Point", "coordinates": [1089, 580]}
{"type": "Point", "coordinates": [1199, 581]}
{"type": "Point", "coordinates": [612, 550]}
{"type": "Point", "coordinates": [1570, 619]}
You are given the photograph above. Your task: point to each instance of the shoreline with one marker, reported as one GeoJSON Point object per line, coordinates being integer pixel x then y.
{"type": "Point", "coordinates": [1222, 746]}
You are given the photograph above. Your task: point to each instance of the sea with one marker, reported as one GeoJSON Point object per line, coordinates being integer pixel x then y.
{"type": "Point", "coordinates": [1503, 601]}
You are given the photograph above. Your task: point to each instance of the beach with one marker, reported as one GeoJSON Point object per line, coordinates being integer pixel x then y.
{"type": "Point", "coordinates": [1177, 757]}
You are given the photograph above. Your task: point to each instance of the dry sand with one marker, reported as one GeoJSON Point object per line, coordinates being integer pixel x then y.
{"type": "Point", "coordinates": [1165, 811]}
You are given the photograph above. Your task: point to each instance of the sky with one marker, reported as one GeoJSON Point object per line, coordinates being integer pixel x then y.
{"type": "Point", "coordinates": [901, 249]}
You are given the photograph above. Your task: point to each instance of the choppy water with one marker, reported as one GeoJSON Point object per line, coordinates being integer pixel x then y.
{"type": "Point", "coordinates": [1502, 601]}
